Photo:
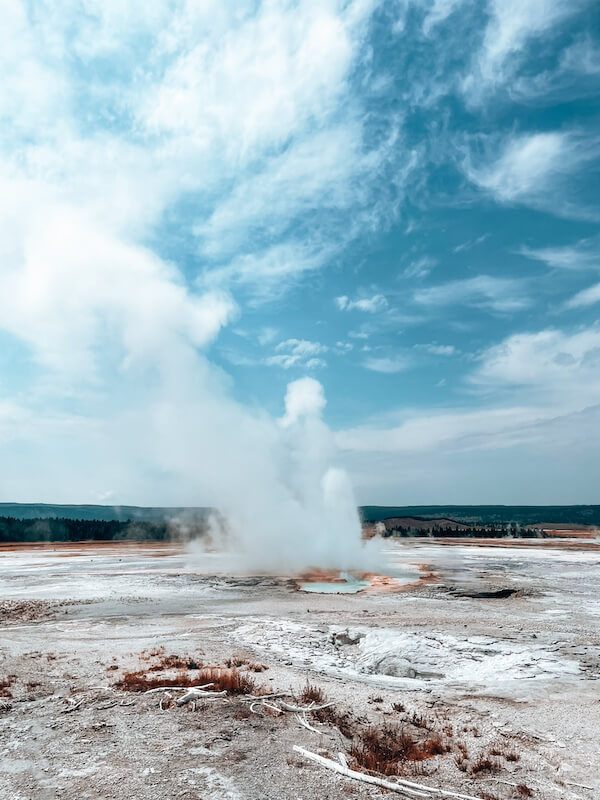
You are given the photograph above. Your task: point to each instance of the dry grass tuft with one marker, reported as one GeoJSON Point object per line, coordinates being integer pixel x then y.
{"type": "Point", "coordinates": [484, 764]}
{"type": "Point", "coordinates": [5, 685]}
{"type": "Point", "coordinates": [434, 746]}
{"type": "Point", "coordinates": [523, 791]}
{"type": "Point", "coordinates": [399, 707]}
{"type": "Point", "coordinates": [228, 678]}
{"type": "Point", "coordinates": [236, 661]}
{"type": "Point", "coordinates": [419, 721]}
{"type": "Point", "coordinates": [342, 720]}
{"type": "Point", "coordinates": [174, 662]}
{"type": "Point", "coordinates": [462, 757]}
{"type": "Point", "coordinates": [312, 694]}
{"type": "Point", "coordinates": [390, 749]}
{"type": "Point", "coordinates": [502, 750]}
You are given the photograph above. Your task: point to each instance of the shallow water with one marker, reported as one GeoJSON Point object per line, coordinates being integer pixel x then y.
{"type": "Point", "coordinates": [348, 584]}
{"type": "Point", "coordinates": [322, 587]}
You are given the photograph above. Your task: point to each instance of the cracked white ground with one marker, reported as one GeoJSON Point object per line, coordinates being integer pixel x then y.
{"type": "Point", "coordinates": [521, 670]}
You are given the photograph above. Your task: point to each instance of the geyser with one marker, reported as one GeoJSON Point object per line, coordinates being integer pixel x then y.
{"type": "Point", "coordinates": [285, 503]}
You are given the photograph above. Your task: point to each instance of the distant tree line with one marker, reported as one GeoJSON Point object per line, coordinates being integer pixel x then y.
{"type": "Point", "coordinates": [62, 529]}
{"type": "Point", "coordinates": [459, 531]}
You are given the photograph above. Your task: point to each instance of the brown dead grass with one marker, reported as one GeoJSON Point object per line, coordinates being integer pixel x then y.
{"type": "Point", "coordinates": [523, 791]}
{"type": "Point", "coordinates": [312, 694]}
{"type": "Point", "coordinates": [390, 749]}
{"type": "Point", "coordinates": [5, 685]}
{"type": "Point", "coordinates": [222, 678]}
{"type": "Point", "coordinates": [484, 764]}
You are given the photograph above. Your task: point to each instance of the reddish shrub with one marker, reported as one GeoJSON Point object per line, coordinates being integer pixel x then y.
{"type": "Point", "coordinates": [5, 685]}
{"type": "Point", "coordinates": [385, 750]}
{"type": "Point", "coordinates": [523, 791]}
{"type": "Point", "coordinates": [228, 678]}
{"type": "Point", "coordinates": [484, 764]}
{"type": "Point", "coordinates": [312, 694]}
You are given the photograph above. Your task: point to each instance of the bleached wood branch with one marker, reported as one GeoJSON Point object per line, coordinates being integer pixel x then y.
{"type": "Point", "coordinates": [359, 776]}
{"type": "Point", "coordinates": [272, 706]}
{"type": "Point", "coordinates": [73, 707]}
{"type": "Point", "coordinates": [177, 688]}
{"type": "Point", "coordinates": [408, 788]}
{"type": "Point", "coordinates": [305, 723]}
{"type": "Point", "coordinates": [198, 694]}
{"type": "Point", "coordinates": [303, 709]}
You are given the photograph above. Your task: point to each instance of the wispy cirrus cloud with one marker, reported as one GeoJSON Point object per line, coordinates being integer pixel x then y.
{"type": "Point", "coordinates": [511, 28]}
{"type": "Point", "coordinates": [371, 305]}
{"type": "Point", "coordinates": [503, 295]}
{"type": "Point", "coordinates": [586, 297]}
{"type": "Point", "coordinates": [583, 255]}
{"type": "Point", "coordinates": [535, 169]}
{"type": "Point", "coordinates": [388, 365]}
{"type": "Point", "coordinates": [437, 349]}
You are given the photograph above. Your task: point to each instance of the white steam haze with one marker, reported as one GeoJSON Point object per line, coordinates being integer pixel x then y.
{"type": "Point", "coordinates": [285, 504]}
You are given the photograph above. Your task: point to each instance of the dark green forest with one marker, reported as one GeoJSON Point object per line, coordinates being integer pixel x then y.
{"type": "Point", "coordinates": [63, 529]}
{"type": "Point", "coordinates": [489, 515]}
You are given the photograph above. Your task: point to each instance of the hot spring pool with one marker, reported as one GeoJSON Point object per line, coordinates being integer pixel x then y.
{"type": "Point", "coordinates": [347, 584]}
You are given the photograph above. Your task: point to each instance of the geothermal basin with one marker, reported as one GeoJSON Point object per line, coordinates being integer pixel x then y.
{"type": "Point", "coordinates": [493, 645]}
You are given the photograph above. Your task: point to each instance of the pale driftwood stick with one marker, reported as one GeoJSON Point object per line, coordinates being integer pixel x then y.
{"type": "Point", "coordinates": [196, 694]}
{"type": "Point", "coordinates": [580, 785]}
{"type": "Point", "coordinates": [73, 707]}
{"type": "Point", "coordinates": [177, 688]}
{"type": "Point", "coordinates": [303, 709]}
{"type": "Point", "coordinates": [414, 789]}
{"type": "Point", "coordinates": [305, 723]}
{"type": "Point", "coordinates": [343, 760]}
{"type": "Point", "coordinates": [123, 703]}
{"type": "Point", "coordinates": [255, 703]}
{"type": "Point", "coordinates": [268, 696]}
{"type": "Point", "coordinates": [359, 776]}
{"type": "Point", "coordinates": [272, 707]}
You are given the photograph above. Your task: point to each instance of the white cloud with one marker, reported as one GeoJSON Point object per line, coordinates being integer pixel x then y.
{"type": "Point", "coordinates": [302, 347]}
{"type": "Point", "coordinates": [269, 272]}
{"type": "Point", "coordinates": [583, 255]}
{"type": "Point", "coordinates": [573, 77]}
{"type": "Point", "coordinates": [388, 366]}
{"type": "Point", "coordinates": [536, 170]}
{"type": "Point", "coordinates": [438, 349]}
{"type": "Point", "coordinates": [553, 363]}
{"type": "Point", "coordinates": [298, 353]}
{"type": "Point", "coordinates": [470, 243]}
{"type": "Point", "coordinates": [529, 383]}
{"type": "Point", "coordinates": [371, 305]}
{"type": "Point", "coordinates": [267, 335]}
{"type": "Point", "coordinates": [512, 25]}
{"type": "Point", "coordinates": [440, 10]}
{"type": "Point", "coordinates": [586, 297]}
{"type": "Point", "coordinates": [484, 291]}
{"type": "Point", "coordinates": [420, 268]}
{"type": "Point", "coordinates": [524, 166]}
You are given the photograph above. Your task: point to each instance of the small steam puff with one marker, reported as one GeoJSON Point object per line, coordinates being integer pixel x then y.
{"type": "Point", "coordinates": [303, 513]}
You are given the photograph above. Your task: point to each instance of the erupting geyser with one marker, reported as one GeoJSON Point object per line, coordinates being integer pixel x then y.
{"type": "Point", "coordinates": [295, 508]}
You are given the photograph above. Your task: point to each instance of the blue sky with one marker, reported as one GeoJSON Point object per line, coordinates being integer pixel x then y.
{"type": "Point", "coordinates": [204, 201]}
